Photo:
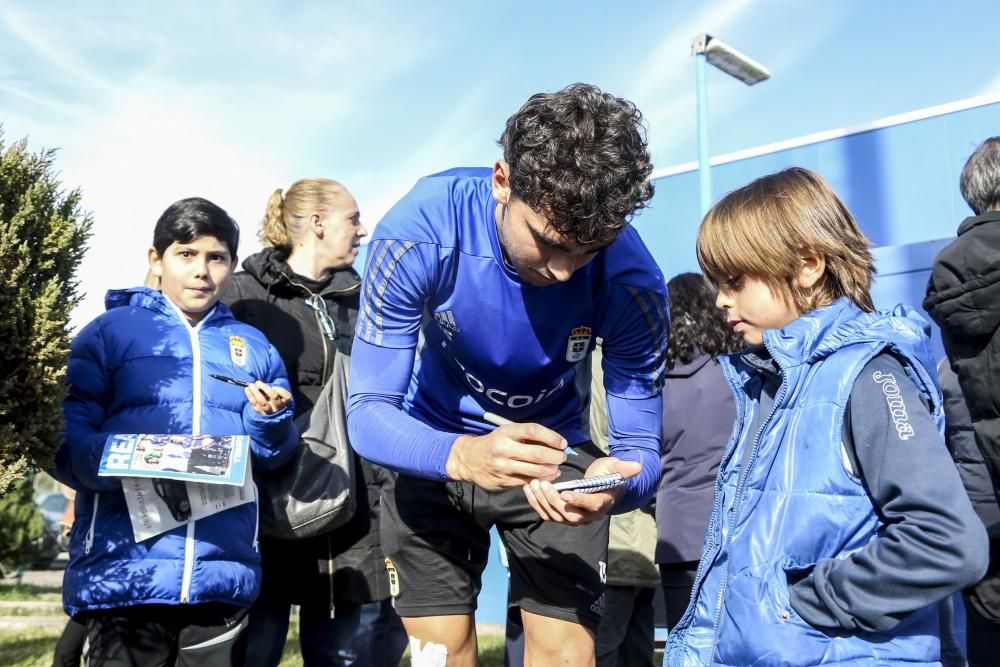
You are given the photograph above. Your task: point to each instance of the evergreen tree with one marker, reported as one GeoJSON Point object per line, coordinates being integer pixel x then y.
{"type": "Point", "coordinates": [22, 527]}
{"type": "Point", "coordinates": [42, 236]}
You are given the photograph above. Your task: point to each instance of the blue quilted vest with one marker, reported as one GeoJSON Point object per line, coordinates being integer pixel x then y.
{"type": "Point", "coordinates": [795, 503]}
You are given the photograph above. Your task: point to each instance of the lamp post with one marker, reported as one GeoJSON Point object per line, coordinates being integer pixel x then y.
{"type": "Point", "coordinates": [735, 64]}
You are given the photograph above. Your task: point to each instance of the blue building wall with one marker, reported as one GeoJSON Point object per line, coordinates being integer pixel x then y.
{"type": "Point", "coordinates": [899, 181]}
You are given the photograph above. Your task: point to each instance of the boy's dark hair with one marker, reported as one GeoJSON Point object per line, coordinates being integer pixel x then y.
{"type": "Point", "coordinates": [579, 157]}
{"type": "Point", "coordinates": [187, 219]}
{"type": "Point", "coordinates": [980, 180]}
{"type": "Point", "coordinates": [695, 323]}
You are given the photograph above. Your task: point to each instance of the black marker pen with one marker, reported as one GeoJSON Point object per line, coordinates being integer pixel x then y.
{"type": "Point", "coordinates": [226, 378]}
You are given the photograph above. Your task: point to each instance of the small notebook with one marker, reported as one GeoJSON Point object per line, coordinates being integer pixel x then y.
{"type": "Point", "coordinates": [591, 484]}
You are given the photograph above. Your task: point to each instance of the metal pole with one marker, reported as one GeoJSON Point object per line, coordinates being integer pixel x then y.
{"type": "Point", "coordinates": [704, 168]}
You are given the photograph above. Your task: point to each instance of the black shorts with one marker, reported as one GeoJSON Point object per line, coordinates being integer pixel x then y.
{"type": "Point", "coordinates": [197, 635]}
{"type": "Point", "coordinates": [436, 535]}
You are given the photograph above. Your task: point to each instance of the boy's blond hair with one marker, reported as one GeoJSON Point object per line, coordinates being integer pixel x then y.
{"type": "Point", "coordinates": [760, 229]}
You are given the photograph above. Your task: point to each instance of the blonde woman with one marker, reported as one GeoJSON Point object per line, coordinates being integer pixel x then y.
{"type": "Point", "coordinates": [302, 292]}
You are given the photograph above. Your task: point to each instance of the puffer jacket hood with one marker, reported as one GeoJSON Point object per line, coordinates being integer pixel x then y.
{"type": "Point", "coordinates": [308, 321]}
{"type": "Point", "coordinates": [964, 290]}
{"type": "Point", "coordinates": [270, 268]}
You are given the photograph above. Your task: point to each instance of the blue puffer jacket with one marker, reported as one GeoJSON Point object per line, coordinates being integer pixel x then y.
{"type": "Point", "coordinates": [141, 368]}
{"type": "Point", "coordinates": [795, 504]}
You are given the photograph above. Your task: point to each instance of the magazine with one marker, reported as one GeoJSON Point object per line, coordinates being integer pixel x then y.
{"type": "Point", "coordinates": [210, 459]}
{"type": "Point", "coordinates": [156, 505]}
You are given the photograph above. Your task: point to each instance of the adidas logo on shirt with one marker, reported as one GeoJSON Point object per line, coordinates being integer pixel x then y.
{"type": "Point", "coordinates": [446, 321]}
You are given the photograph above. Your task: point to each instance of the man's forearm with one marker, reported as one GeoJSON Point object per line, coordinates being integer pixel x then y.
{"type": "Point", "coordinates": [634, 426]}
{"type": "Point", "coordinates": [382, 433]}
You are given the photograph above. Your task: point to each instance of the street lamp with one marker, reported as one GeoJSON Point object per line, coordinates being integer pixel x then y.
{"type": "Point", "coordinates": [735, 64]}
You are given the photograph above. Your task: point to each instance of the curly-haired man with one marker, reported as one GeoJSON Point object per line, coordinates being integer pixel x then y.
{"type": "Point", "coordinates": [484, 292]}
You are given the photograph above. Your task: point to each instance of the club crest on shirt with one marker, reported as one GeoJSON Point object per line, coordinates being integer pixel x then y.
{"type": "Point", "coordinates": [578, 344]}
{"type": "Point", "coordinates": [238, 350]}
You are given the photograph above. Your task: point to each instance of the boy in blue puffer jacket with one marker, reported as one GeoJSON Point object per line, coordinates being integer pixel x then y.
{"type": "Point", "coordinates": [840, 521]}
{"type": "Point", "coordinates": [179, 597]}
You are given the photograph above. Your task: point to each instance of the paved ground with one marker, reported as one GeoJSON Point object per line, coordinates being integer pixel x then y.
{"type": "Point", "coordinates": [50, 578]}
{"type": "Point", "coordinates": [18, 616]}
{"type": "Point", "coordinates": [22, 623]}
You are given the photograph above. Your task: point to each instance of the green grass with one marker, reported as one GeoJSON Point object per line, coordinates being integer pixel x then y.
{"type": "Point", "coordinates": [23, 611]}
{"type": "Point", "coordinates": [31, 648]}
{"type": "Point", "coordinates": [490, 651]}
{"type": "Point", "coordinates": [30, 592]}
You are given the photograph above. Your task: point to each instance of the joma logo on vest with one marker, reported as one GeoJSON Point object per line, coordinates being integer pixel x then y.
{"type": "Point", "coordinates": [897, 408]}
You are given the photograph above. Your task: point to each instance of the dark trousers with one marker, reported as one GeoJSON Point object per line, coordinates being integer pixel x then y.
{"type": "Point", "coordinates": [982, 606]}
{"type": "Point", "coordinates": [982, 637]}
{"type": "Point", "coordinates": [324, 640]}
{"type": "Point", "coordinates": [69, 648]}
{"type": "Point", "coordinates": [625, 635]}
{"type": "Point", "coordinates": [677, 580]}
{"type": "Point", "coordinates": [181, 636]}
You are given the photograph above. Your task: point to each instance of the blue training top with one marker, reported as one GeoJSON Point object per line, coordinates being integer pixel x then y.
{"type": "Point", "coordinates": [448, 331]}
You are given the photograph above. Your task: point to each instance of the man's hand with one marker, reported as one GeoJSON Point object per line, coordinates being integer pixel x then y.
{"type": "Point", "coordinates": [580, 508]}
{"type": "Point", "coordinates": [267, 399]}
{"type": "Point", "coordinates": [511, 455]}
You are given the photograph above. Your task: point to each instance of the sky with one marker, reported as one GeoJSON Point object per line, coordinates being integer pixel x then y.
{"type": "Point", "coordinates": [148, 103]}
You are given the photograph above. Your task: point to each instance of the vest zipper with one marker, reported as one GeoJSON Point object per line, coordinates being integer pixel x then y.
{"type": "Point", "coordinates": [740, 484]}
{"type": "Point", "coordinates": [714, 517]}
{"type": "Point", "coordinates": [256, 525]}
{"type": "Point", "coordinates": [88, 543]}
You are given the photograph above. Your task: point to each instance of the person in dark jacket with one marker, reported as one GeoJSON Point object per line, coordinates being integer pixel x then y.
{"type": "Point", "coordinates": [982, 601]}
{"type": "Point", "coordinates": [963, 297]}
{"type": "Point", "coordinates": [302, 292]}
{"type": "Point", "coordinates": [180, 595]}
{"type": "Point", "coordinates": [698, 416]}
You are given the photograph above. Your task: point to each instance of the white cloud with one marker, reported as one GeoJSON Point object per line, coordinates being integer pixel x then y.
{"type": "Point", "coordinates": [146, 115]}
{"type": "Point", "coordinates": [665, 86]}
{"type": "Point", "coordinates": [36, 35]}
{"type": "Point", "coordinates": [457, 140]}
{"type": "Point", "coordinates": [668, 66]}
{"type": "Point", "coordinates": [993, 87]}
{"type": "Point", "coordinates": [37, 100]}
